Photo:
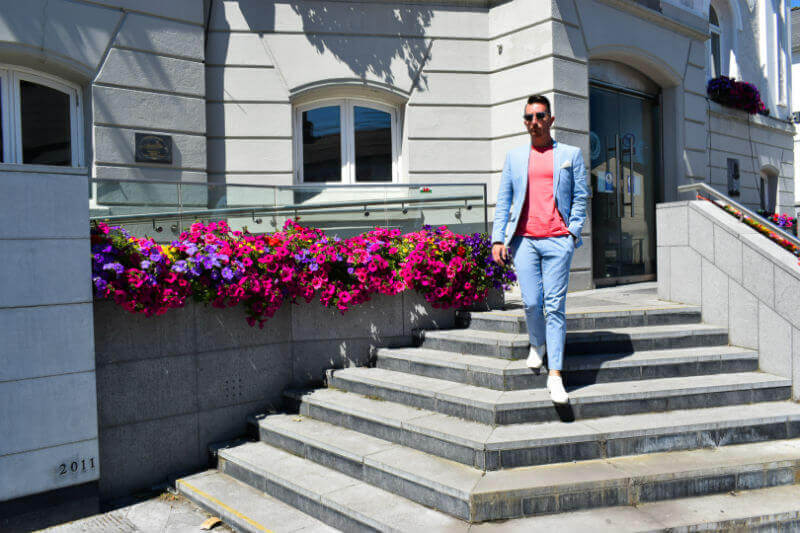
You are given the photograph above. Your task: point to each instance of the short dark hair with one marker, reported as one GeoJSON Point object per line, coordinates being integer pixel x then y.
{"type": "Point", "coordinates": [539, 99]}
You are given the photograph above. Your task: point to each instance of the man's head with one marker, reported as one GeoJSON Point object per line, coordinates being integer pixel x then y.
{"type": "Point", "coordinates": [538, 119]}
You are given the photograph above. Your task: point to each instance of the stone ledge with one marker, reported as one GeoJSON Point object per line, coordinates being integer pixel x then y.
{"type": "Point", "coordinates": [755, 120]}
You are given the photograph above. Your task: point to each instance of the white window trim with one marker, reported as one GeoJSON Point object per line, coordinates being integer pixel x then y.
{"type": "Point", "coordinates": [783, 46]}
{"type": "Point", "coordinates": [5, 117]}
{"type": "Point", "coordinates": [12, 113]}
{"type": "Point", "coordinates": [346, 114]}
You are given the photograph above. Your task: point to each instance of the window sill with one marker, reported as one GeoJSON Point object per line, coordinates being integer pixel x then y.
{"type": "Point", "coordinates": [44, 169]}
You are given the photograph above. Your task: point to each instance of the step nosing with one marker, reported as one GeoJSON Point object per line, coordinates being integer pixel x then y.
{"type": "Point", "coordinates": [444, 389]}
{"type": "Point", "coordinates": [625, 469]}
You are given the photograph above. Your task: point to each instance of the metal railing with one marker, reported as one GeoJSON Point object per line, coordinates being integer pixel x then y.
{"type": "Point", "coordinates": [742, 209]}
{"type": "Point", "coordinates": [178, 204]}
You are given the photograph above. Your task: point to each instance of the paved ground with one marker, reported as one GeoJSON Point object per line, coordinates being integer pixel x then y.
{"type": "Point", "coordinates": [167, 513]}
{"type": "Point", "coordinates": [621, 298]}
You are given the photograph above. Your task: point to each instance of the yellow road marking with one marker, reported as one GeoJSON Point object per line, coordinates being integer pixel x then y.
{"type": "Point", "coordinates": [226, 507]}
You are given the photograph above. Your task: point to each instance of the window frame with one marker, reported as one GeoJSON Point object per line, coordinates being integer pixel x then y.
{"type": "Point", "coordinates": [11, 113]}
{"type": "Point", "coordinates": [5, 117]}
{"type": "Point", "coordinates": [347, 107]}
{"type": "Point", "coordinates": [714, 30]}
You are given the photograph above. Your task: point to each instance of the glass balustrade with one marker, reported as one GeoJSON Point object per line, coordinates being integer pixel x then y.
{"type": "Point", "coordinates": [163, 209]}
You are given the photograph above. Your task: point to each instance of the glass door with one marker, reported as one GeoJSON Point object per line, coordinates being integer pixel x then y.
{"type": "Point", "coordinates": [624, 146]}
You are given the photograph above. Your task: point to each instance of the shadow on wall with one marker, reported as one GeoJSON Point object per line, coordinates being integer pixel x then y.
{"type": "Point", "coordinates": [341, 33]}
{"type": "Point", "coordinates": [405, 27]}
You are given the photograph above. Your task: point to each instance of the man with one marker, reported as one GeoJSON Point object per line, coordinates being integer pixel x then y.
{"type": "Point", "coordinates": [543, 191]}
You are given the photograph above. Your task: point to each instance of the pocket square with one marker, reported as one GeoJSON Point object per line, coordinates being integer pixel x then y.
{"type": "Point", "coordinates": [567, 164]}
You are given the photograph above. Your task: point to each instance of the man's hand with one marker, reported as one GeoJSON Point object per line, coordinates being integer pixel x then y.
{"type": "Point", "coordinates": [499, 253]}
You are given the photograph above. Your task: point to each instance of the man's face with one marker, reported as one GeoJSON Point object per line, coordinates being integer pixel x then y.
{"type": "Point", "coordinates": [538, 127]}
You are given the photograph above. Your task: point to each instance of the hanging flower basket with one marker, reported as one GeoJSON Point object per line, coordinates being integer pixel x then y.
{"type": "Point", "coordinates": [737, 94]}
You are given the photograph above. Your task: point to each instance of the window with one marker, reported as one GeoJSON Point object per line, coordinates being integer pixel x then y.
{"type": "Point", "coordinates": [768, 190]}
{"type": "Point", "coordinates": [40, 120]}
{"type": "Point", "coordinates": [733, 177]}
{"type": "Point", "coordinates": [715, 53]}
{"type": "Point", "coordinates": [346, 141]}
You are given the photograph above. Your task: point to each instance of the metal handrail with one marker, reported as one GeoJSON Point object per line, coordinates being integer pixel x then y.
{"type": "Point", "coordinates": [297, 187]}
{"type": "Point", "coordinates": [742, 209]}
{"type": "Point", "coordinates": [290, 208]}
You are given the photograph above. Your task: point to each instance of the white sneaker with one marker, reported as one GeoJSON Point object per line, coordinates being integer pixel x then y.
{"type": "Point", "coordinates": [535, 356]}
{"type": "Point", "coordinates": [556, 388]}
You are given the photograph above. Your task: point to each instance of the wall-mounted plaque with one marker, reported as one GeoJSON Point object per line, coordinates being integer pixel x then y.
{"type": "Point", "coordinates": [152, 148]}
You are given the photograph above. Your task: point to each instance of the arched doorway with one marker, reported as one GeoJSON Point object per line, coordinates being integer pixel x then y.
{"type": "Point", "coordinates": [625, 147]}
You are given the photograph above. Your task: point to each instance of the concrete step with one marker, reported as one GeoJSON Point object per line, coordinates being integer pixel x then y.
{"type": "Point", "coordinates": [769, 509]}
{"type": "Point", "coordinates": [513, 321]}
{"type": "Point", "coordinates": [490, 406]}
{"type": "Point", "coordinates": [772, 509]}
{"type": "Point", "coordinates": [337, 498]}
{"type": "Point", "coordinates": [504, 374]}
{"type": "Point", "coordinates": [244, 507]}
{"type": "Point", "coordinates": [612, 340]}
{"type": "Point", "coordinates": [341, 501]}
{"type": "Point", "coordinates": [488, 447]}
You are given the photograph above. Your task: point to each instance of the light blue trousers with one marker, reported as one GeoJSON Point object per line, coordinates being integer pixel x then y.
{"type": "Point", "coordinates": [542, 267]}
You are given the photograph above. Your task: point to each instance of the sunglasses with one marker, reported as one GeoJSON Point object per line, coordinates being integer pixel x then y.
{"type": "Point", "coordinates": [541, 115]}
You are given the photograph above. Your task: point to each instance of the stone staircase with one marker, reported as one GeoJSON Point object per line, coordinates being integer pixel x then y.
{"type": "Point", "coordinates": [457, 432]}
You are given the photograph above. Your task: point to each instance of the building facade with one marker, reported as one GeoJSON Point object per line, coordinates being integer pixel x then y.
{"type": "Point", "coordinates": [345, 92]}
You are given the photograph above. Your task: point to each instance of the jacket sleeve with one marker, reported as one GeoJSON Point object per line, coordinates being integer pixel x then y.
{"type": "Point", "coordinates": [503, 204]}
{"type": "Point", "coordinates": [580, 193]}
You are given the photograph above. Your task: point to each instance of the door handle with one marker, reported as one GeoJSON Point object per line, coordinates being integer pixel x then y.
{"type": "Point", "coordinates": [619, 180]}
{"type": "Point", "coordinates": [631, 181]}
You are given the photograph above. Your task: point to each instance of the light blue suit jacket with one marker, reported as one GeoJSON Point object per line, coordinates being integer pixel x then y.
{"type": "Point", "coordinates": [569, 190]}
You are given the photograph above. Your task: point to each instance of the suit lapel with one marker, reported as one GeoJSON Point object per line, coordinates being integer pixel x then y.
{"type": "Point", "coordinates": [556, 168]}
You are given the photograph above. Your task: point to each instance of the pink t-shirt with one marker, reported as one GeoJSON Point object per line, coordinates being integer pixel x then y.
{"type": "Point", "coordinates": [539, 217]}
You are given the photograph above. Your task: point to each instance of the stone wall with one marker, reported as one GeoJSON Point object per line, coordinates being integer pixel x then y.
{"type": "Point", "coordinates": [48, 414]}
{"type": "Point", "coordinates": [756, 142]}
{"type": "Point", "coordinates": [169, 386]}
{"type": "Point", "coordinates": [151, 79]}
{"type": "Point", "coordinates": [742, 280]}
{"type": "Point", "coordinates": [428, 59]}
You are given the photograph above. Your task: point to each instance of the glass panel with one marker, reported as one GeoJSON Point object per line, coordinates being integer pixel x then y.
{"type": "Point", "coordinates": [45, 125]}
{"type": "Point", "coordinates": [715, 56]}
{"type": "Point", "coordinates": [373, 133]}
{"type": "Point", "coordinates": [712, 16]}
{"type": "Point", "coordinates": [604, 116]}
{"type": "Point", "coordinates": [163, 210]}
{"type": "Point", "coordinates": [625, 158]}
{"type": "Point", "coordinates": [638, 157]}
{"type": "Point", "coordinates": [322, 144]}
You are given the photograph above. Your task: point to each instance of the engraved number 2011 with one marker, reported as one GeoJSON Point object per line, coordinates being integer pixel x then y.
{"type": "Point", "coordinates": [83, 465]}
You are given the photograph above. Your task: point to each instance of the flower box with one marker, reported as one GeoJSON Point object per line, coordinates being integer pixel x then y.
{"type": "Point", "coordinates": [212, 264]}
{"type": "Point", "coordinates": [736, 94]}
